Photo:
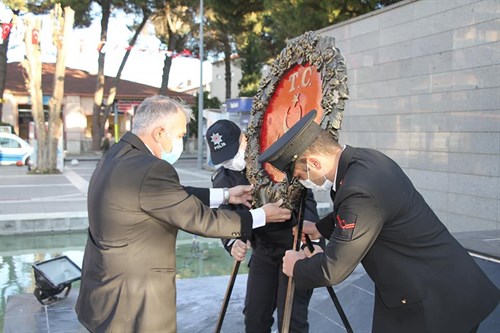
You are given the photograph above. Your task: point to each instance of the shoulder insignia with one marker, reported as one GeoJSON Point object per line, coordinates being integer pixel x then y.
{"type": "Point", "coordinates": [344, 226]}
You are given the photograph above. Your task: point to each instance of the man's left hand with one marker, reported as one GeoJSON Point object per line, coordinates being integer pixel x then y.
{"type": "Point", "coordinates": [290, 259]}
{"type": "Point", "coordinates": [241, 194]}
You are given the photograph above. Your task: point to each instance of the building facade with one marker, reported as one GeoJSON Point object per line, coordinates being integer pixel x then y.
{"type": "Point", "coordinates": [424, 83]}
{"type": "Point", "coordinates": [218, 84]}
{"type": "Point", "coordinates": [78, 104]}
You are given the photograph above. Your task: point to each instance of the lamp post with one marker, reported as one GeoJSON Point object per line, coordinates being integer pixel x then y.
{"type": "Point", "coordinates": [200, 94]}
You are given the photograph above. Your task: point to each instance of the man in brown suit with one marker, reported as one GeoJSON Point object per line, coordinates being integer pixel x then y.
{"type": "Point", "coordinates": [136, 205]}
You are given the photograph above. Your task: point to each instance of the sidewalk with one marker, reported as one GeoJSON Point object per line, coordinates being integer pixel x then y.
{"type": "Point", "coordinates": [199, 301]}
{"type": "Point", "coordinates": [53, 203]}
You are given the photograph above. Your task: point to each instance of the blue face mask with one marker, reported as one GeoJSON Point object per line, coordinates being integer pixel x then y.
{"type": "Point", "coordinates": [173, 156]}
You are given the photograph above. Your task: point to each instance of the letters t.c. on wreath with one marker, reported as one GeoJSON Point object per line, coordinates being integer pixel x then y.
{"type": "Point", "coordinates": [309, 73]}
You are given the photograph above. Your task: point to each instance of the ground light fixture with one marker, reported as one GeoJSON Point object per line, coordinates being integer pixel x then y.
{"type": "Point", "coordinates": [54, 276]}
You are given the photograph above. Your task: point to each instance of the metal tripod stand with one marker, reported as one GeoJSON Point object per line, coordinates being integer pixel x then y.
{"type": "Point", "coordinates": [291, 284]}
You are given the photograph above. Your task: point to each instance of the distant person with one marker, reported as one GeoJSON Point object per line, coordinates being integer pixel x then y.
{"type": "Point", "coordinates": [425, 281]}
{"type": "Point", "coordinates": [136, 206]}
{"type": "Point", "coordinates": [266, 283]}
{"type": "Point", "coordinates": [106, 142]}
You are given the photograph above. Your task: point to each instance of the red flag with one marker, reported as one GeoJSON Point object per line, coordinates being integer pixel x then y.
{"type": "Point", "coordinates": [34, 36]}
{"type": "Point", "coordinates": [185, 53]}
{"type": "Point", "coordinates": [6, 30]}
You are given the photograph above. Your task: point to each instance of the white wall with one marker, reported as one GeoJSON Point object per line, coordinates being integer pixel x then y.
{"type": "Point", "coordinates": [424, 82]}
{"type": "Point", "coordinates": [218, 84]}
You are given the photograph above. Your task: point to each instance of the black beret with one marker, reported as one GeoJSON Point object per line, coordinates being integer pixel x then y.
{"type": "Point", "coordinates": [283, 153]}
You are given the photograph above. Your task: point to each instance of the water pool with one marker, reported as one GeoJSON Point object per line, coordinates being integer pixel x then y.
{"type": "Point", "coordinates": [196, 257]}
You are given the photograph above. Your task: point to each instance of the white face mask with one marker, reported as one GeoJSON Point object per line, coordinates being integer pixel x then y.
{"type": "Point", "coordinates": [173, 156]}
{"type": "Point", "coordinates": [308, 183]}
{"type": "Point", "coordinates": [237, 163]}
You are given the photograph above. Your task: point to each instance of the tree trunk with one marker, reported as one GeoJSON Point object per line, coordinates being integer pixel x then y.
{"type": "Point", "coordinates": [3, 70]}
{"type": "Point", "coordinates": [116, 81]}
{"type": "Point", "coordinates": [33, 67]}
{"type": "Point", "coordinates": [99, 91]}
{"type": "Point", "coordinates": [62, 35]}
{"type": "Point", "coordinates": [227, 64]}
{"type": "Point", "coordinates": [167, 63]}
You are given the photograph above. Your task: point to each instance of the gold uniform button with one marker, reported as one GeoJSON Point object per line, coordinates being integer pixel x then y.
{"type": "Point", "coordinates": [403, 301]}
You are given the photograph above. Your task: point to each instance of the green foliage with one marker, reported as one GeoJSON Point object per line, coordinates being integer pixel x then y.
{"type": "Point", "coordinates": [82, 8]}
{"type": "Point", "coordinates": [259, 29]}
{"type": "Point", "coordinates": [286, 19]}
{"type": "Point", "coordinates": [253, 56]}
{"type": "Point", "coordinates": [173, 21]}
{"type": "Point", "coordinates": [15, 5]}
{"type": "Point", "coordinates": [226, 21]}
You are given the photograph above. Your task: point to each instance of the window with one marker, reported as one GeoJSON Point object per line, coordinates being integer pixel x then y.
{"type": "Point", "coordinates": [9, 143]}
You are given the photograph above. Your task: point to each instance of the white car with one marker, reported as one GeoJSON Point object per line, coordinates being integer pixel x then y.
{"type": "Point", "coordinates": [14, 149]}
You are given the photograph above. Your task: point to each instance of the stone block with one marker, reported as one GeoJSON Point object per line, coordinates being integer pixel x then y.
{"type": "Point", "coordinates": [463, 223]}
{"type": "Point", "coordinates": [429, 179]}
{"type": "Point", "coordinates": [437, 200]}
{"type": "Point", "coordinates": [367, 25]}
{"type": "Point", "coordinates": [475, 164]}
{"type": "Point", "coordinates": [425, 160]}
{"type": "Point", "coordinates": [428, 45]}
{"type": "Point", "coordinates": [73, 147]}
{"type": "Point", "coordinates": [474, 185]}
{"type": "Point", "coordinates": [473, 206]}
{"type": "Point", "coordinates": [477, 56]}
{"type": "Point", "coordinates": [475, 142]}
{"type": "Point", "coordinates": [395, 52]}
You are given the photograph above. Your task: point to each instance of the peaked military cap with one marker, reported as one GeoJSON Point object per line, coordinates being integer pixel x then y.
{"type": "Point", "coordinates": [283, 153]}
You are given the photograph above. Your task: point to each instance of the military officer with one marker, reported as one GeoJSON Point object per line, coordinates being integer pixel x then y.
{"type": "Point", "coordinates": [425, 281]}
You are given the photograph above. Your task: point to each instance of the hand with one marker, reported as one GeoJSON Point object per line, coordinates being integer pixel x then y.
{"type": "Point", "coordinates": [241, 194]}
{"type": "Point", "coordinates": [290, 259]}
{"type": "Point", "coordinates": [317, 249]}
{"type": "Point", "coordinates": [309, 228]}
{"type": "Point", "coordinates": [276, 214]}
{"type": "Point", "coordinates": [239, 249]}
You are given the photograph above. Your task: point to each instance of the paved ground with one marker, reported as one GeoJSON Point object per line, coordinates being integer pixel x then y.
{"type": "Point", "coordinates": [58, 202]}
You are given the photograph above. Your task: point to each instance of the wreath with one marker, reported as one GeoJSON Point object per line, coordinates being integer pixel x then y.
{"type": "Point", "coordinates": [309, 73]}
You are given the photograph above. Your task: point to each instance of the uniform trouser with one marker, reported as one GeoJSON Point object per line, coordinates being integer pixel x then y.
{"type": "Point", "coordinates": [266, 291]}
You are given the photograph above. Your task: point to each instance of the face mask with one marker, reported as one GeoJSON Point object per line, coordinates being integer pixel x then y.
{"type": "Point", "coordinates": [308, 183]}
{"type": "Point", "coordinates": [237, 163]}
{"type": "Point", "coordinates": [173, 156]}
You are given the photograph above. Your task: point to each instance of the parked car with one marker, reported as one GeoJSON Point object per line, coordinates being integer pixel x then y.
{"type": "Point", "coordinates": [14, 149]}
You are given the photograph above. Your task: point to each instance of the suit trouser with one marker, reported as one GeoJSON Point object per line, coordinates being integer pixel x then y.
{"type": "Point", "coordinates": [266, 291]}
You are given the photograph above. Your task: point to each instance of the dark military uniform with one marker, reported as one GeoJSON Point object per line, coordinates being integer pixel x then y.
{"type": "Point", "coordinates": [266, 285]}
{"type": "Point", "coordinates": [425, 281]}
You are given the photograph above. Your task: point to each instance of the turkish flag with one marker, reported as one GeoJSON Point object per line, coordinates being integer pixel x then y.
{"type": "Point", "coordinates": [34, 36]}
{"type": "Point", "coordinates": [185, 53]}
{"type": "Point", "coordinates": [6, 30]}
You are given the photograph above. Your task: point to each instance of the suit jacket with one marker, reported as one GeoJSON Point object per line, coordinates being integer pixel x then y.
{"type": "Point", "coordinates": [425, 281]}
{"type": "Point", "coordinates": [136, 205]}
